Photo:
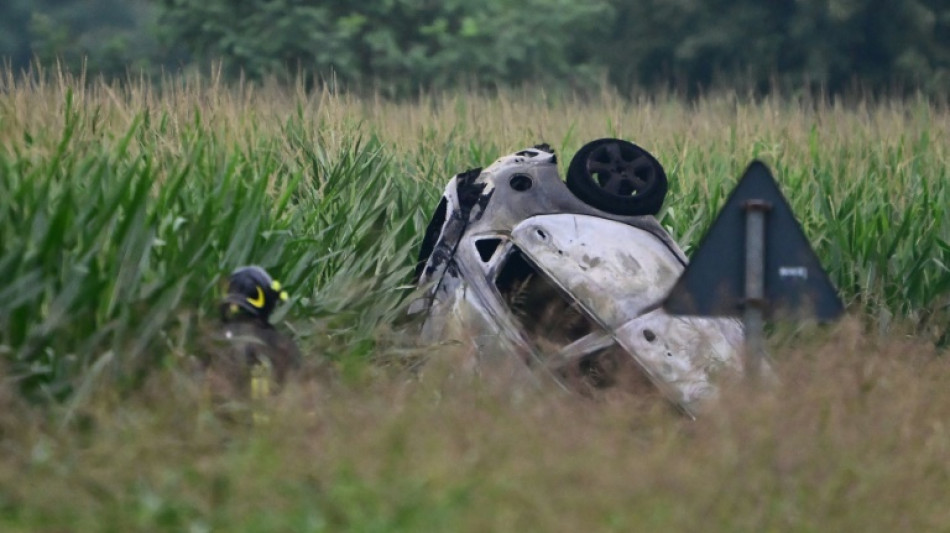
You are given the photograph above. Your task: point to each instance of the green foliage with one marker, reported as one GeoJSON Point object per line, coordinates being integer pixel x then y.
{"type": "Point", "coordinates": [113, 38]}
{"type": "Point", "coordinates": [834, 46]}
{"type": "Point", "coordinates": [404, 45]}
{"type": "Point", "coordinates": [14, 39]}
{"type": "Point", "coordinates": [400, 46]}
{"type": "Point", "coordinates": [111, 246]}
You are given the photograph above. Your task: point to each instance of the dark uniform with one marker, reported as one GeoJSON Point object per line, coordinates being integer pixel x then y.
{"type": "Point", "coordinates": [257, 356]}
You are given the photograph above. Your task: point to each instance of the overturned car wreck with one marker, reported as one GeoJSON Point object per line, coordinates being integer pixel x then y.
{"type": "Point", "coordinates": [567, 279]}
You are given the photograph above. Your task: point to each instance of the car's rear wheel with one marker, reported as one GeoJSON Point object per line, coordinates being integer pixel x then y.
{"type": "Point", "coordinates": [618, 177]}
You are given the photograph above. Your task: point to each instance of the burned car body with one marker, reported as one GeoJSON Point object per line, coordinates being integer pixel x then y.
{"type": "Point", "coordinates": [568, 278]}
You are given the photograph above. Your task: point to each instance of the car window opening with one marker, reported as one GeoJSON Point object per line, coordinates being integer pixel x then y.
{"type": "Point", "coordinates": [486, 248]}
{"type": "Point", "coordinates": [540, 307]}
{"type": "Point", "coordinates": [606, 368]}
{"type": "Point", "coordinates": [599, 369]}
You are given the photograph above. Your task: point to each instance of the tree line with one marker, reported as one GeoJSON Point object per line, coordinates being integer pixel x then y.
{"type": "Point", "coordinates": [399, 47]}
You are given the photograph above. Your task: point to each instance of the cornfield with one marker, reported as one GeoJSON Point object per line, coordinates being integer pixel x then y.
{"type": "Point", "coordinates": [125, 206]}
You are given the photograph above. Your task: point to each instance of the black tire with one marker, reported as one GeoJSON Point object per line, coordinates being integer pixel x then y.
{"type": "Point", "coordinates": [618, 177]}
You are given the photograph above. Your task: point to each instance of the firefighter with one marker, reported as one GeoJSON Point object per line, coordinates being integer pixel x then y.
{"type": "Point", "coordinates": [257, 356]}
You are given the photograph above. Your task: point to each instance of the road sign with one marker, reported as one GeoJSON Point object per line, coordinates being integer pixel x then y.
{"type": "Point", "coordinates": [755, 262]}
{"type": "Point", "coordinates": [795, 285]}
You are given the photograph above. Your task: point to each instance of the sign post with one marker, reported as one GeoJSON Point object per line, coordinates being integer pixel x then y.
{"type": "Point", "coordinates": [755, 262]}
{"type": "Point", "coordinates": [754, 303]}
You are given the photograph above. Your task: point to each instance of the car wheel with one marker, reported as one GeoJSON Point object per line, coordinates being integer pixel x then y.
{"type": "Point", "coordinates": [618, 177]}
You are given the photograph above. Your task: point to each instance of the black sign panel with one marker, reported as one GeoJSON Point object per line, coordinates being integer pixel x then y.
{"type": "Point", "coordinates": [714, 282]}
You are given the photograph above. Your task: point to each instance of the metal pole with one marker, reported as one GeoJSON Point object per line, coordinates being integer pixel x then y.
{"type": "Point", "coordinates": [754, 308]}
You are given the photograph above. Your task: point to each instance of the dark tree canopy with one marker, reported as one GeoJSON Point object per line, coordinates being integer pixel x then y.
{"type": "Point", "coordinates": [401, 46]}
{"type": "Point", "coordinates": [829, 44]}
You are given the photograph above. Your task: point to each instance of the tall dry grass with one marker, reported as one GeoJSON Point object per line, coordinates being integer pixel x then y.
{"type": "Point", "coordinates": [854, 438]}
